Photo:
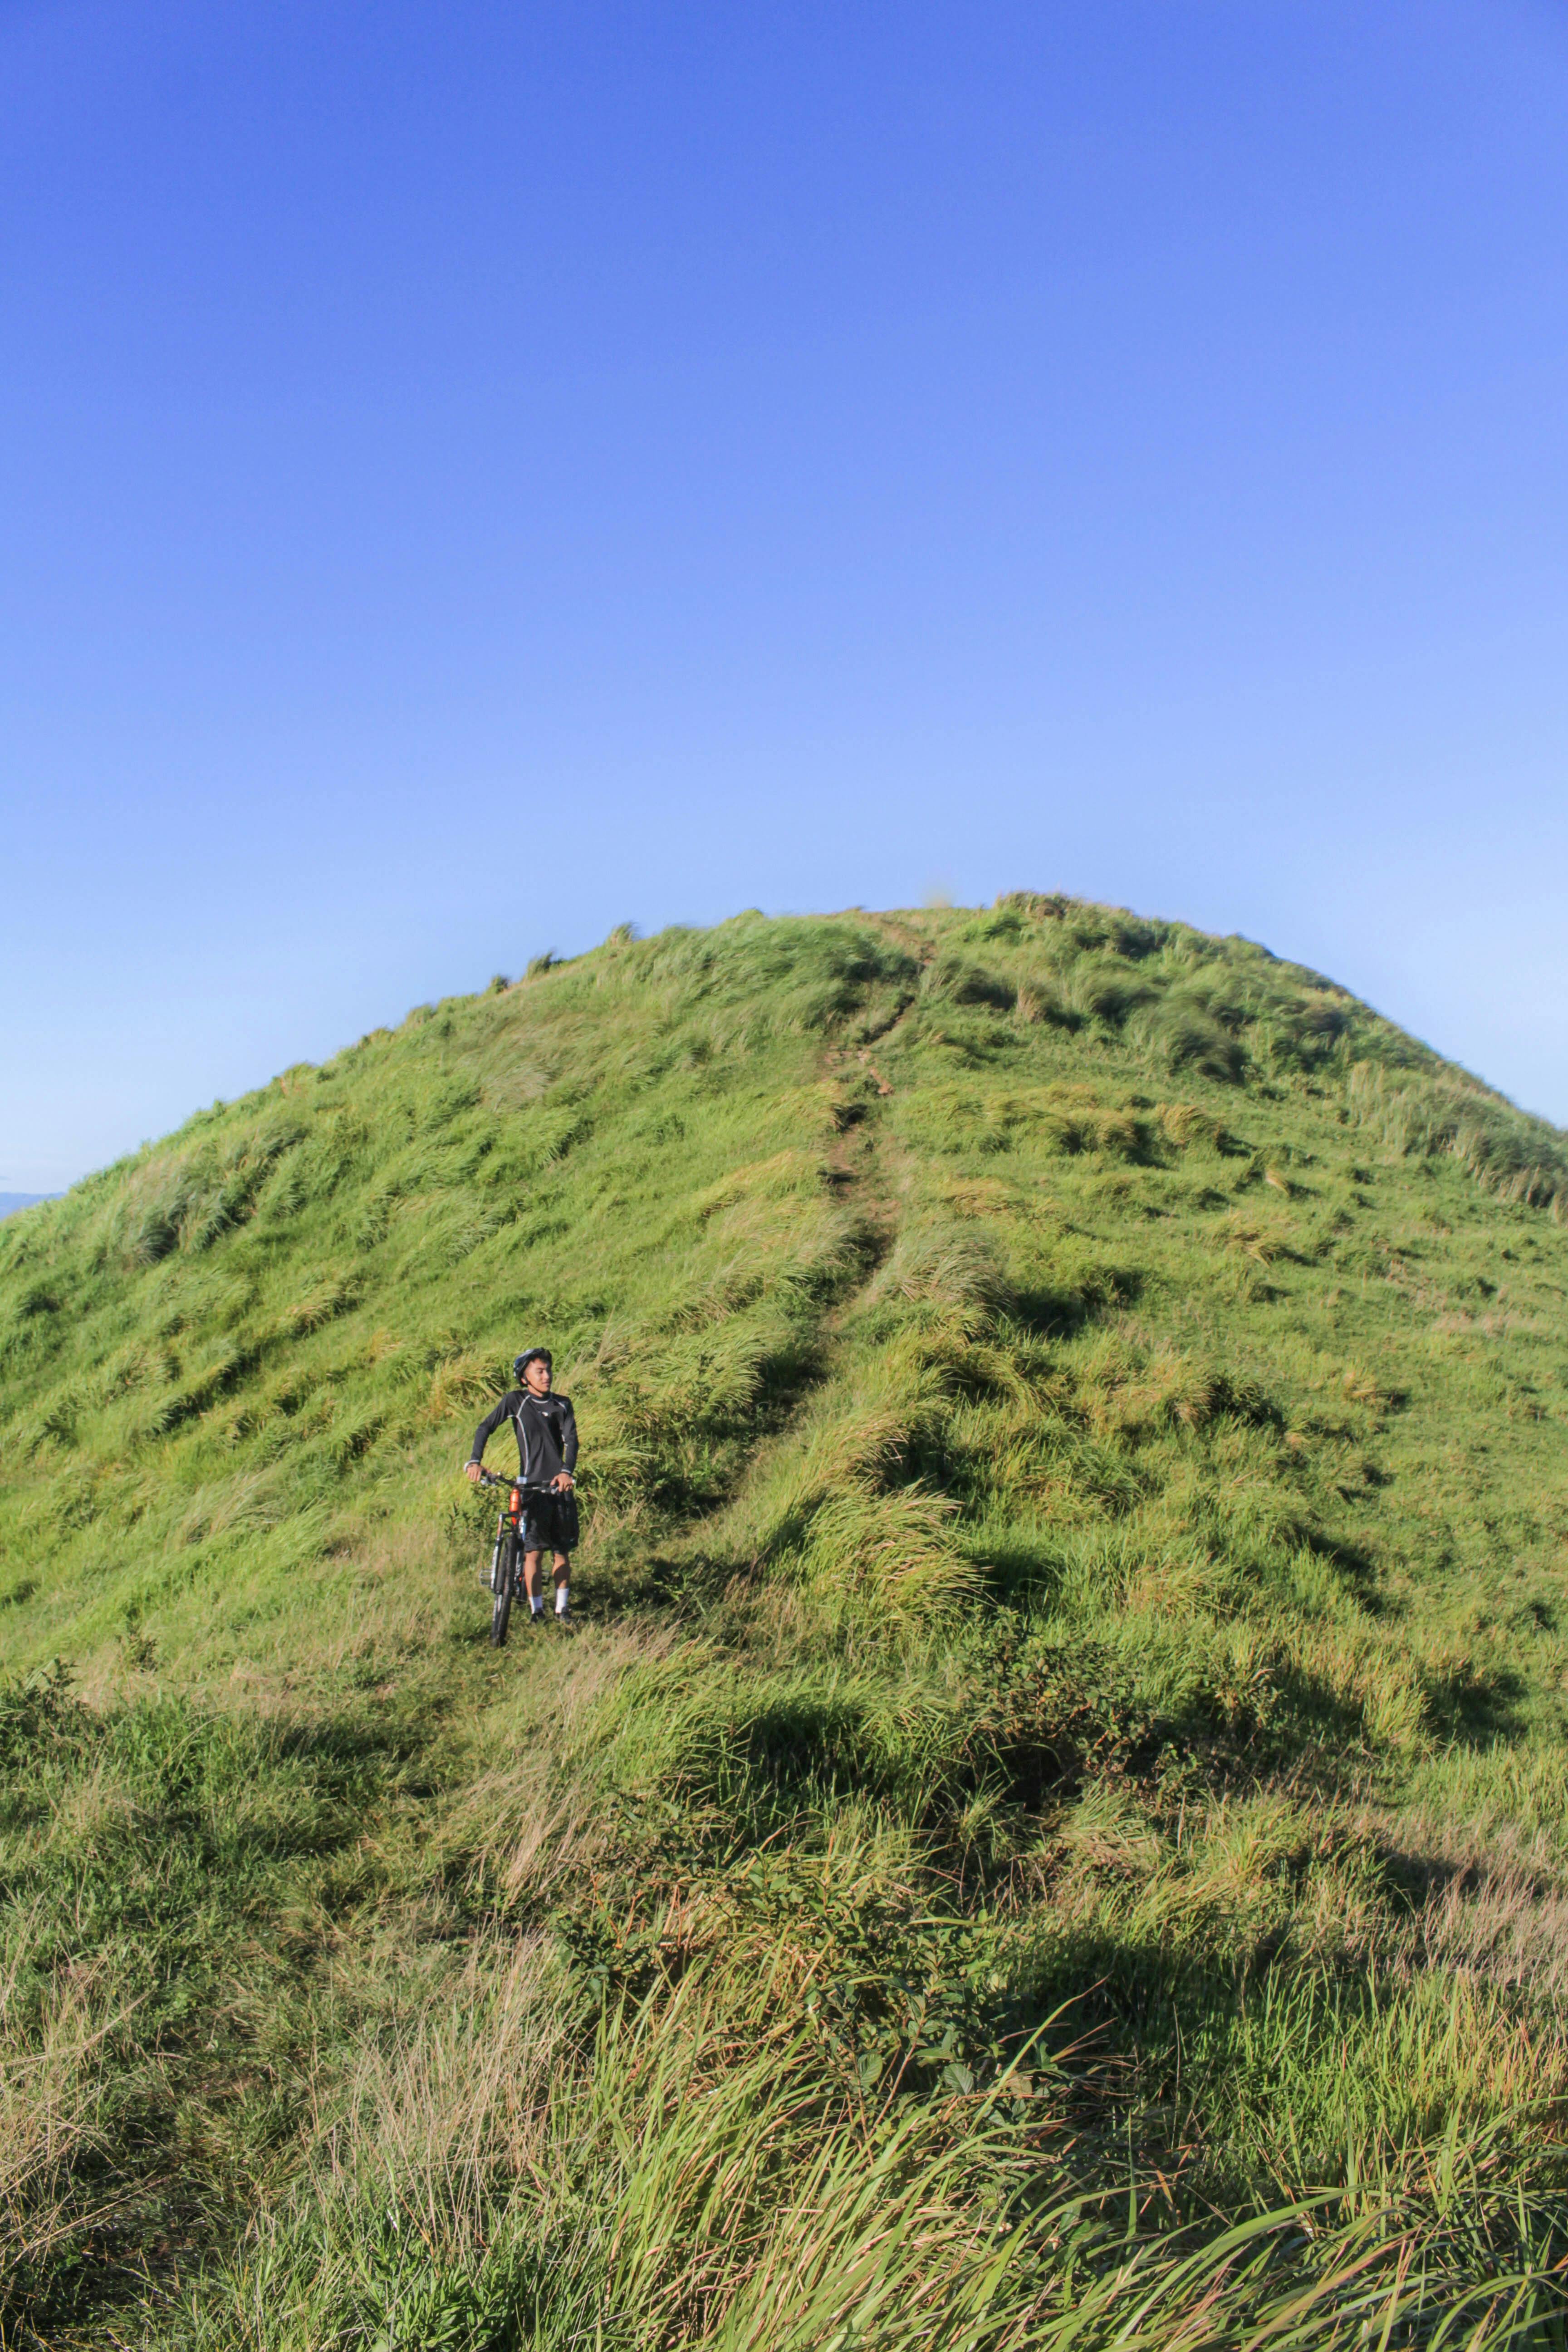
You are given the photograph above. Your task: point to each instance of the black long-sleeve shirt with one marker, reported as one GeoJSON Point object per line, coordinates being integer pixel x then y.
{"type": "Point", "coordinates": [546, 1434]}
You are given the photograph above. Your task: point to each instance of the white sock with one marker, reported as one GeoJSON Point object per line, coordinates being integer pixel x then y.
{"type": "Point", "coordinates": [538, 1604]}
{"type": "Point", "coordinates": [560, 1601]}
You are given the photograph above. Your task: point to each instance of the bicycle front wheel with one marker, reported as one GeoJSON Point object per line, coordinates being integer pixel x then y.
{"type": "Point", "coordinates": [502, 1569]}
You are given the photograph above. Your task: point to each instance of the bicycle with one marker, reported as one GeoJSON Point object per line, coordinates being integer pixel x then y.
{"type": "Point", "coordinates": [503, 1558]}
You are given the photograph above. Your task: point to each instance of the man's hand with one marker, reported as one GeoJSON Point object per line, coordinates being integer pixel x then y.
{"type": "Point", "coordinates": [473, 1474]}
{"type": "Point", "coordinates": [561, 1482]}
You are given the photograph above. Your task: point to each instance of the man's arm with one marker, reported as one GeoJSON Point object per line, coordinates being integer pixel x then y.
{"type": "Point", "coordinates": [487, 1429]}
{"type": "Point", "coordinates": [568, 1435]}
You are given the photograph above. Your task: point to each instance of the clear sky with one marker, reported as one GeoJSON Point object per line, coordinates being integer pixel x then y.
{"type": "Point", "coordinates": [473, 474]}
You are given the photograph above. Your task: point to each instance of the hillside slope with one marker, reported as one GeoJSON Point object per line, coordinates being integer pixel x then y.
{"type": "Point", "coordinates": [1073, 1423]}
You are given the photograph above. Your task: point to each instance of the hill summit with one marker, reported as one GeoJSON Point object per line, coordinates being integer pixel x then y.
{"type": "Point", "coordinates": [1071, 1669]}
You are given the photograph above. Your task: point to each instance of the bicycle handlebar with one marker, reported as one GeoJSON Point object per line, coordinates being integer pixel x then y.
{"type": "Point", "coordinates": [528, 1486]}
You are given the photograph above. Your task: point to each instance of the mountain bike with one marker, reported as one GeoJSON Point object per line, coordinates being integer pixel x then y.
{"type": "Point", "coordinates": [503, 1558]}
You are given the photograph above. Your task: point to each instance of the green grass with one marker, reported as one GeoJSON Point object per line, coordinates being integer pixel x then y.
{"type": "Point", "coordinates": [1051, 1825]}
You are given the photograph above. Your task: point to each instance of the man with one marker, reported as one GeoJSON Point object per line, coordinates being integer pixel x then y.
{"type": "Point", "coordinates": [547, 1454]}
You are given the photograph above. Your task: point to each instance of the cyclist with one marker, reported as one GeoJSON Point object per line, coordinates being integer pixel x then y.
{"type": "Point", "coordinates": [547, 1454]}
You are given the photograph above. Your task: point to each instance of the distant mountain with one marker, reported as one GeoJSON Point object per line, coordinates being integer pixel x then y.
{"type": "Point", "coordinates": [9, 1201]}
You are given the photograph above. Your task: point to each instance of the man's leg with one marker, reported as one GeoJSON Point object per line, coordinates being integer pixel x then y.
{"type": "Point", "coordinates": [530, 1560]}
{"type": "Point", "coordinates": [562, 1570]}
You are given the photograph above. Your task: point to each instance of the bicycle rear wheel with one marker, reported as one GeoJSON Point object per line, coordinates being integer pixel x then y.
{"type": "Point", "coordinates": [503, 1568]}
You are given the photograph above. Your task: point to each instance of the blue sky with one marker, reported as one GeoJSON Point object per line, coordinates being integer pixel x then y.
{"type": "Point", "coordinates": [473, 475]}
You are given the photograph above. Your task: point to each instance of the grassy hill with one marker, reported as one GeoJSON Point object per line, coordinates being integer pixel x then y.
{"type": "Point", "coordinates": [1051, 1821]}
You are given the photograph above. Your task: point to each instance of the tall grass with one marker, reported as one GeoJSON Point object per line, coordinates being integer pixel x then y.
{"type": "Point", "coordinates": [52, 2133]}
{"type": "Point", "coordinates": [696, 2180]}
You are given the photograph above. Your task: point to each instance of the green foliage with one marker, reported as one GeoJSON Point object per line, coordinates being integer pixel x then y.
{"type": "Point", "coordinates": [1063, 1736]}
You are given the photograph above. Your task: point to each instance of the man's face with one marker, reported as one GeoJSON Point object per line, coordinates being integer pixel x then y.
{"type": "Point", "coordinates": [536, 1376]}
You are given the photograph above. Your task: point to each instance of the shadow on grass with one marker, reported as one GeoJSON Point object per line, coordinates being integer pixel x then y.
{"type": "Point", "coordinates": [1477, 1707]}
{"type": "Point", "coordinates": [1050, 1313]}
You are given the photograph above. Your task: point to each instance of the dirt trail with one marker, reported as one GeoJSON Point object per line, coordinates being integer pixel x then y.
{"type": "Point", "coordinates": [864, 1163]}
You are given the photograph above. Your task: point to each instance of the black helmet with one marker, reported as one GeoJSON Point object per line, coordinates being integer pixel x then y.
{"type": "Point", "coordinates": [519, 1364]}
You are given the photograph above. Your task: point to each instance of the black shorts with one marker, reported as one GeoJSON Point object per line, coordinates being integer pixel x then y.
{"type": "Point", "coordinates": [549, 1521]}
